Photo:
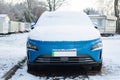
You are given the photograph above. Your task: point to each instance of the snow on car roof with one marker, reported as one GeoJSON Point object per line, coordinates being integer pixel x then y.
{"type": "Point", "coordinates": [64, 18]}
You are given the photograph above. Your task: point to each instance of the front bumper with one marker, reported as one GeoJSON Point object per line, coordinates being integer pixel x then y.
{"type": "Point", "coordinates": [81, 60]}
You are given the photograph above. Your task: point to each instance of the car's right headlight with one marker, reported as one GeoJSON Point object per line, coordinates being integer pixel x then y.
{"type": "Point", "coordinates": [99, 45]}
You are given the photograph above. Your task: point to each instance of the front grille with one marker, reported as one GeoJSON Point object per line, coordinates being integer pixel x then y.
{"type": "Point", "coordinates": [79, 59]}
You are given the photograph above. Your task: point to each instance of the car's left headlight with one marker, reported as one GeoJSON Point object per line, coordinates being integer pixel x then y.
{"type": "Point", "coordinates": [31, 46]}
{"type": "Point", "coordinates": [99, 45]}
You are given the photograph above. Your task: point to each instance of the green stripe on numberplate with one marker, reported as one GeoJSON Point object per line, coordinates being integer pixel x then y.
{"type": "Point", "coordinates": [53, 54]}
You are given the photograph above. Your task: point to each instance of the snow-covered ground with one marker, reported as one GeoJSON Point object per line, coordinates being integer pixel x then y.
{"type": "Point", "coordinates": [111, 59]}
{"type": "Point", "coordinates": [12, 50]}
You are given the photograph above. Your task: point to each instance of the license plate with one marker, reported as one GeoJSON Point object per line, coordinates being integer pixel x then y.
{"type": "Point", "coordinates": [64, 53]}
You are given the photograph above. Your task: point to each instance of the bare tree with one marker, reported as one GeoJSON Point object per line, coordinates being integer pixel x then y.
{"type": "Point", "coordinates": [116, 9]}
{"type": "Point", "coordinates": [105, 7]}
{"type": "Point", "coordinates": [27, 11]}
{"type": "Point", "coordinates": [54, 4]}
{"type": "Point", "coordinates": [35, 8]}
{"type": "Point", "coordinates": [49, 5]}
{"type": "Point", "coordinates": [89, 11]}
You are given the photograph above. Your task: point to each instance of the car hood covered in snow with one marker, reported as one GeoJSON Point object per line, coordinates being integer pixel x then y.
{"type": "Point", "coordinates": [64, 33]}
{"type": "Point", "coordinates": [64, 26]}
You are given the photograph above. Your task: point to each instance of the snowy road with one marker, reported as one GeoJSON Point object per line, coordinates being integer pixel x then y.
{"type": "Point", "coordinates": [12, 50]}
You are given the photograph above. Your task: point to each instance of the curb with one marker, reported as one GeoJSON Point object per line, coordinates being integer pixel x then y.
{"type": "Point", "coordinates": [12, 71]}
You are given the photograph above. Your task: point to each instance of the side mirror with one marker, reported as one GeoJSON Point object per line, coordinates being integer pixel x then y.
{"type": "Point", "coordinates": [96, 27]}
{"type": "Point", "coordinates": [32, 26]}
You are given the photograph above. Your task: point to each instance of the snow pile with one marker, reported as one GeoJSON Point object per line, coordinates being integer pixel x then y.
{"type": "Point", "coordinates": [64, 26]}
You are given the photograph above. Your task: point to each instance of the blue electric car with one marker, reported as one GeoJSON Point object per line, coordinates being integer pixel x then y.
{"type": "Point", "coordinates": [64, 38]}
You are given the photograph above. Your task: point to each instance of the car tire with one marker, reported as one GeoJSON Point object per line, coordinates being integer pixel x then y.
{"type": "Point", "coordinates": [33, 68]}
{"type": "Point", "coordinates": [97, 68]}
{"type": "Point", "coordinates": [30, 69]}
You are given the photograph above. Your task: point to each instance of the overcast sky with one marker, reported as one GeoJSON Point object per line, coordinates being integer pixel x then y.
{"type": "Point", "coordinates": [80, 4]}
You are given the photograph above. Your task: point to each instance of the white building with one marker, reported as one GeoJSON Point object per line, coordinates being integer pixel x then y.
{"type": "Point", "coordinates": [105, 24]}
{"type": "Point", "coordinates": [4, 23]}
